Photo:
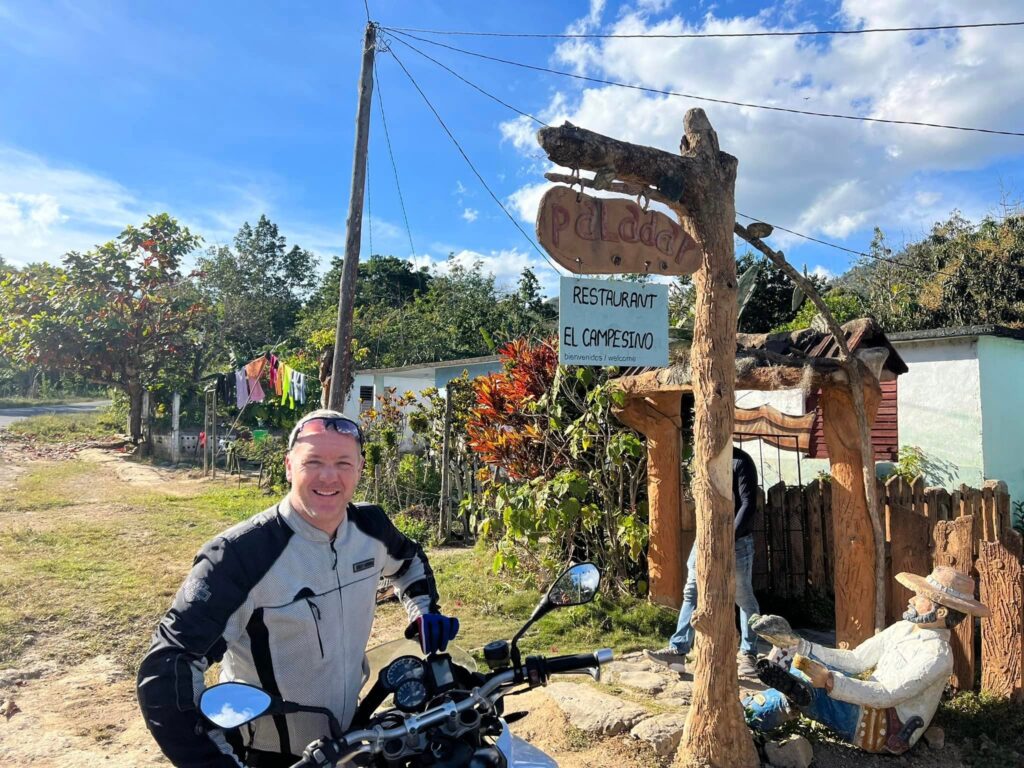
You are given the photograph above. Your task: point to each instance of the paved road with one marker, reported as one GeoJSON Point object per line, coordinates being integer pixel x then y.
{"type": "Point", "coordinates": [10, 415]}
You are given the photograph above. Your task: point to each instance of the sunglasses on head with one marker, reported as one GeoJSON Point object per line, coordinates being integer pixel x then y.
{"type": "Point", "coordinates": [340, 424]}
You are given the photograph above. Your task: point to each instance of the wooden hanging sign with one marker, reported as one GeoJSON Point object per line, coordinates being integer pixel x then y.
{"type": "Point", "coordinates": [612, 236]}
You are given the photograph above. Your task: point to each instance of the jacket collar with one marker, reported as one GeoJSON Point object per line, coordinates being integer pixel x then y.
{"type": "Point", "coordinates": [294, 520]}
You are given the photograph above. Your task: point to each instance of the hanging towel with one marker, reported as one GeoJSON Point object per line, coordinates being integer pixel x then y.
{"type": "Point", "coordinates": [273, 373]}
{"type": "Point", "coordinates": [255, 368]}
{"type": "Point", "coordinates": [299, 386]}
{"type": "Point", "coordinates": [286, 382]}
{"type": "Point", "coordinates": [255, 391]}
{"type": "Point", "coordinates": [242, 389]}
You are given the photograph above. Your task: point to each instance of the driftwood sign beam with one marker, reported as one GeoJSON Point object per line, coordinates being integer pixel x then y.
{"type": "Point", "coordinates": [699, 186]}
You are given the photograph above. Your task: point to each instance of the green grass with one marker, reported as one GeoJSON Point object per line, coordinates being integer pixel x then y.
{"type": "Point", "coordinates": [29, 402]}
{"type": "Point", "coordinates": [68, 427]}
{"type": "Point", "coordinates": [491, 606]}
{"type": "Point", "coordinates": [89, 564]}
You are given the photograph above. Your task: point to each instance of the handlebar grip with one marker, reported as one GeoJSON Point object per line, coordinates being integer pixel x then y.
{"type": "Point", "coordinates": [570, 663]}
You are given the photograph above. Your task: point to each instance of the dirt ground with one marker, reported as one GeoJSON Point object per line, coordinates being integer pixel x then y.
{"type": "Point", "coordinates": [86, 714]}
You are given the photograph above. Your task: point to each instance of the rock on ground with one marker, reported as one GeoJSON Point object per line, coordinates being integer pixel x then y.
{"type": "Point", "coordinates": [795, 752]}
{"type": "Point", "coordinates": [935, 737]}
{"type": "Point", "coordinates": [595, 712]}
{"type": "Point", "coordinates": [662, 732]}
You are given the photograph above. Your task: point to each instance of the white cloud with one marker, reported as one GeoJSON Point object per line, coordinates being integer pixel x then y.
{"type": "Point", "coordinates": [470, 214]}
{"type": "Point", "coordinates": [824, 177]}
{"type": "Point", "coordinates": [506, 266]}
{"type": "Point", "coordinates": [823, 272]}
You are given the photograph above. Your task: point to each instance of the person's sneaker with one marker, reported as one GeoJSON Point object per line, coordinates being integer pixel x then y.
{"type": "Point", "coordinates": [793, 688]}
{"type": "Point", "coordinates": [745, 664]}
{"type": "Point", "coordinates": [668, 657]}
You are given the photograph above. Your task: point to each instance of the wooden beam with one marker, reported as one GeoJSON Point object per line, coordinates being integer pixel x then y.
{"type": "Point", "coordinates": [854, 554]}
{"type": "Point", "coordinates": [657, 418]}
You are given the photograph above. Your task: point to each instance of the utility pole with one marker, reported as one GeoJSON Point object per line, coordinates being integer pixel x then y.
{"type": "Point", "coordinates": [341, 368]}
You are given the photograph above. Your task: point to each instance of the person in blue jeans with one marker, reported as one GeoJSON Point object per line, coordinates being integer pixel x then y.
{"type": "Point", "coordinates": [744, 491]}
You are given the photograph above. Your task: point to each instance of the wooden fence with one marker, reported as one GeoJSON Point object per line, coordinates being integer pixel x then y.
{"type": "Point", "coordinates": [968, 529]}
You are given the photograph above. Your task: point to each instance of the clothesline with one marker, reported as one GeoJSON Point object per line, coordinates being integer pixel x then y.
{"type": "Point", "coordinates": [244, 385]}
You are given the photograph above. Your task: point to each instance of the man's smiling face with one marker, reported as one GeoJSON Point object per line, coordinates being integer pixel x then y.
{"type": "Point", "coordinates": [324, 471]}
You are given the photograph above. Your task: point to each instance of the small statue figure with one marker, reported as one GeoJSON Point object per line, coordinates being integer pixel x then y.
{"type": "Point", "coordinates": [880, 696]}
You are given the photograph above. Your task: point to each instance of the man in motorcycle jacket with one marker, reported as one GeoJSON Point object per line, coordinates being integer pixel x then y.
{"type": "Point", "coordinates": [285, 601]}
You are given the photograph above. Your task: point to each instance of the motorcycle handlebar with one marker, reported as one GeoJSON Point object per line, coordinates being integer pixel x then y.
{"type": "Point", "coordinates": [578, 661]}
{"type": "Point", "coordinates": [415, 724]}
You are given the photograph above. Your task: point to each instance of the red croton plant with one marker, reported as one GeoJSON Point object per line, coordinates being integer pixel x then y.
{"type": "Point", "coordinates": [501, 427]}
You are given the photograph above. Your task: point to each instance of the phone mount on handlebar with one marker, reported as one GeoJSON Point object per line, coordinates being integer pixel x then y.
{"type": "Point", "coordinates": [577, 585]}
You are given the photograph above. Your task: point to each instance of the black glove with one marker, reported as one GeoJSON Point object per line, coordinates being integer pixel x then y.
{"type": "Point", "coordinates": [434, 631]}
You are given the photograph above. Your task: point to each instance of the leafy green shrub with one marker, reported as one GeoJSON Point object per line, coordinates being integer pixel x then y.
{"type": "Point", "coordinates": [270, 452]}
{"type": "Point", "coordinates": [414, 527]}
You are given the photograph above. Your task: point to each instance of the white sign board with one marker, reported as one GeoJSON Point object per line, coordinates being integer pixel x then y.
{"type": "Point", "coordinates": [612, 322]}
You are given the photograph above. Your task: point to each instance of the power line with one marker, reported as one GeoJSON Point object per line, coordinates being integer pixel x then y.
{"type": "Point", "coordinates": [471, 84]}
{"type": "Point", "coordinates": [470, 163]}
{"type": "Point", "coordinates": [705, 35]}
{"type": "Point", "coordinates": [749, 105]}
{"type": "Point", "coordinates": [874, 256]}
{"type": "Point", "coordinates": [394, 165]}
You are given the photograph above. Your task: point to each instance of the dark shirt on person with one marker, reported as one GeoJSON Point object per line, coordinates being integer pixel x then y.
{"type": "Point", "coordinates": [744, 491]}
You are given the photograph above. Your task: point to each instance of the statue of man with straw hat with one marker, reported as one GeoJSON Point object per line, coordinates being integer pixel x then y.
{"type": "Point", "coordinates": [881, 695]}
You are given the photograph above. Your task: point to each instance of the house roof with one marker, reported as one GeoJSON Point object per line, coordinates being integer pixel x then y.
{"type": "Point", "coordinates": [964, 331]}
{"type": "Point", "coordinates": [423, 367]}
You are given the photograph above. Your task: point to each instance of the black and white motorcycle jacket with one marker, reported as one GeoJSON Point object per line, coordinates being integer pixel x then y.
{"type": "Point", "coordinates": [286, 608]}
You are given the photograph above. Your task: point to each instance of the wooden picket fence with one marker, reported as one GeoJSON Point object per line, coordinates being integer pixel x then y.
{"type": "Point", "coordinates": [969, 529]}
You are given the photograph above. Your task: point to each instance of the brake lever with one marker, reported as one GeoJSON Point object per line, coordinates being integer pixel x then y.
{"type": "Point", "coordinates": [594, 672]}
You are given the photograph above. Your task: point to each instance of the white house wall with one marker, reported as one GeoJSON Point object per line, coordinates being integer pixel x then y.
{"type": "Point", "coordinates": [939, 408]}
{"type": "Point", "coordinates": [1002, 415]}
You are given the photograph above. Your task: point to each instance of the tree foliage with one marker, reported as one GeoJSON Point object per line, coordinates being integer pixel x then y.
{"type": "Point", "coordinates": [960, 274]}
{"type": "Point", "coordinates": [405, 316]}
{"type": "Point", "coordinates": [564, 470]}
{"type": "Point", "coordinates": [119, 315]}
{"type": "Point", "coordinates": [258, 287]}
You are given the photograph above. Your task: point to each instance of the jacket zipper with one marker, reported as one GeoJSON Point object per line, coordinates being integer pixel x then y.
{"type": "Point", "coordinates": [315, 610]}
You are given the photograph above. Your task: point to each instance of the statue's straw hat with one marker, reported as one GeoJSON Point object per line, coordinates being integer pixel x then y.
{"type": "Point", "coordinates": [946, 586]}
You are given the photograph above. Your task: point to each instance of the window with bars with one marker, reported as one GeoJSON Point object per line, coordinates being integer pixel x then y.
{"type": "Point", "coordinates": [365, 398]}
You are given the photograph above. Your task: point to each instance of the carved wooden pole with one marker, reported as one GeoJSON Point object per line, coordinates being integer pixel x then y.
{"type": "Point", "coordinates": [701, 182]}
{"type": "Point", "coordinates": [715, 733]}
{"type": "Point", "coordinates": [854, 555]}
{"type": "Point", "coordinates": [658, 421]}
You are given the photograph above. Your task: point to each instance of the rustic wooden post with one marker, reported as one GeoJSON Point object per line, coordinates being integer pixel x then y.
{"type": "Point", "coordinates": [953, 547]}
{"type": "Point", "coordinates": [909, 545]}
{"type": "Point", "coordinates": [1002, 633]}
{"type": "Point", "coordinates": [853, 533]}
{"type": "Point", "coordinates": [815, 538]}
{"type": "Point", "coordinates": [176, 428]}
{"type": "Point", "coordinates": [700, 187]}
{"type": "Point", "coordinates": [658, 421]}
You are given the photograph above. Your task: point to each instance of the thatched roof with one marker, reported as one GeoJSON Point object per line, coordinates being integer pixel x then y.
{"type": "Point", "coordinates": [802, 359]}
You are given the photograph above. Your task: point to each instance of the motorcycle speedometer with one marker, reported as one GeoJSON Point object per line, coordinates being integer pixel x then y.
{"type": "Point", "coordinates": [401, 669]}
{"type": "Point", "coordinates": [410, 696]}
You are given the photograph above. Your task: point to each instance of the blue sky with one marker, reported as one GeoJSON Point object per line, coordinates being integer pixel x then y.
{"type": "Point", "coordinates": [220, 111]}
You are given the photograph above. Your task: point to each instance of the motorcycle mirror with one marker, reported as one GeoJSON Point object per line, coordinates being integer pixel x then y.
{"type": "Point", "coordinates": [229, 705]}
{"type": "Point", "coordinates": [576, 586]}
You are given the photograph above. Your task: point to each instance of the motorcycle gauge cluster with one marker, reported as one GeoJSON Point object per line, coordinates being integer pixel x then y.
{"type": "Point", "coordinates": [404, 678]}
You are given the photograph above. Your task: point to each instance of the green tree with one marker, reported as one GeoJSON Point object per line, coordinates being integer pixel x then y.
{"type": "Point", "coordinates": [844, 307]}
{"type": "Point", "coordinates": [119, 315]}
{"type": "Point", "coordinates": [960, 274]}
{"type": "Point", "coordinates": [257, 287]}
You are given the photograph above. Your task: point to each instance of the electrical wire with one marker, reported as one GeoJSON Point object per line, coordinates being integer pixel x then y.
{"type": "Point", "coordinates": [471, 84]}
{"type": "Point", "coordinates": [705, 35]}
{"type": "Point", "coordinates": [472, 167]}
{"type": "Point", "coordinates": [729, 102]}
{"type": "Point", "coordinates": [394, 165]}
